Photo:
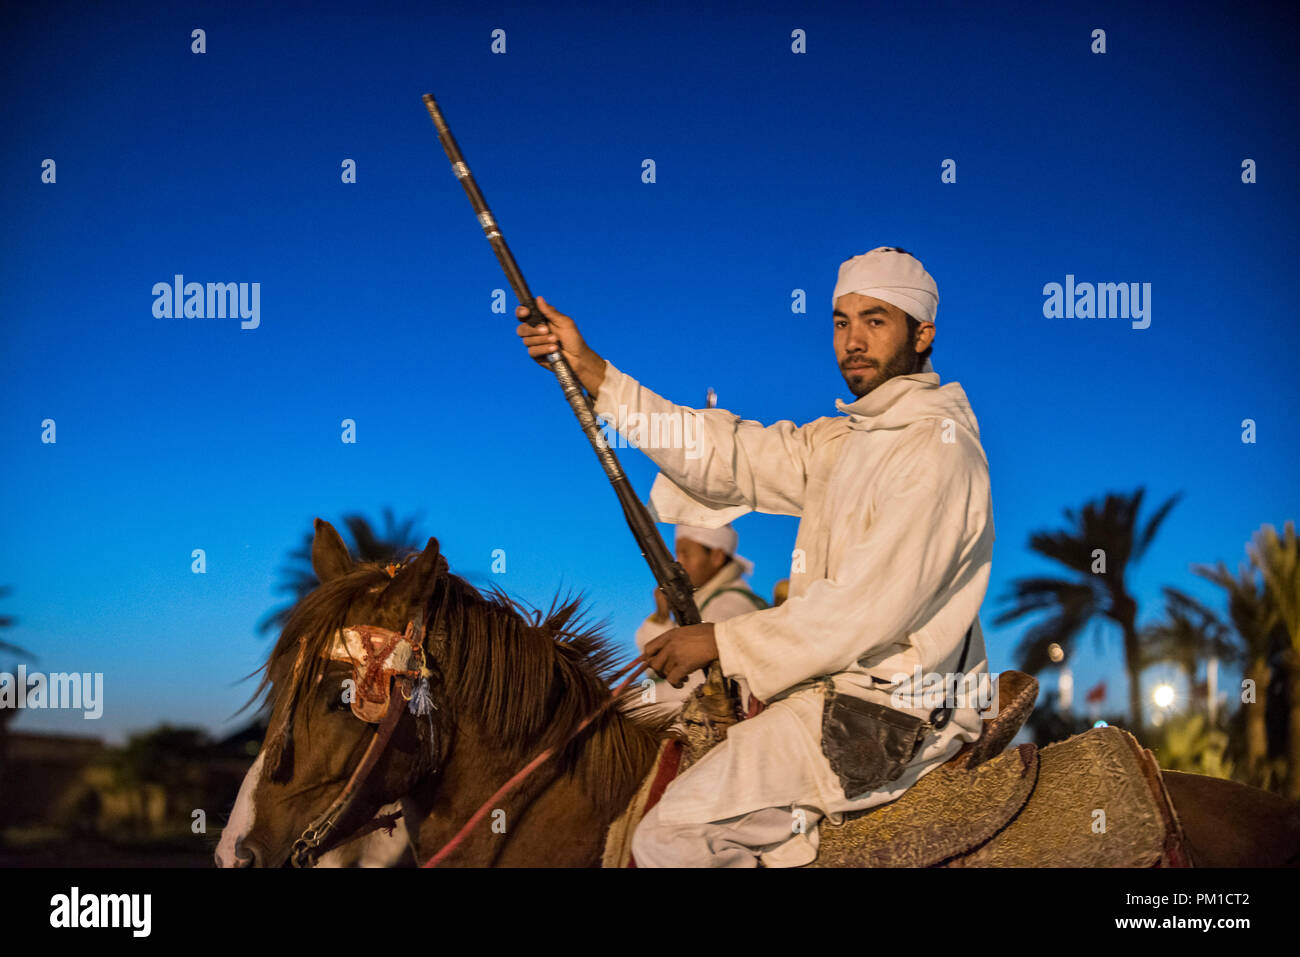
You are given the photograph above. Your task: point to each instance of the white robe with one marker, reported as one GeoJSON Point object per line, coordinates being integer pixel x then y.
{"type": "Point", "coordinates": [890, 567]}
{"type": "Point", "coordinates": [723, 596]}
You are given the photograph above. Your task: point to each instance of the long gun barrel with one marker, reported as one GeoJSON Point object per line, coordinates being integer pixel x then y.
{"type": "Point", "coordinates": [670, 575]}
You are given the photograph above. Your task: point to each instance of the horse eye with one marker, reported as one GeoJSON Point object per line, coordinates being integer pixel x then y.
{"type": "Point", "coordinates": [337, 703]}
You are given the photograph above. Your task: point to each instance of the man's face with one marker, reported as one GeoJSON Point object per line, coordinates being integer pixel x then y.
{"type": "Point", "coordinates": [872, 343]}
{"type": "Point", "coordinates": [700, 561]}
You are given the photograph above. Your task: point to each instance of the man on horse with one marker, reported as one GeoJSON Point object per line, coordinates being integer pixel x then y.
{"type": "Point", "coordinates": [890, 567]}
{"type": "Point", "coordinates": [721, 592]}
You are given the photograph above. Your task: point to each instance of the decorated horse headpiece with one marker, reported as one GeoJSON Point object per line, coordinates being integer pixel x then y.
{"type": "Point", "coordinates": [377, 656]}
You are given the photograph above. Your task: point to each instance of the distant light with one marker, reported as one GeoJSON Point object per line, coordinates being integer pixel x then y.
{"type": "Point", "coordinates": [1163, 695]}
{"type": "Point", "coordinates": [1100, 724]}
{"type": "Point", "coordinates": [1055, 652]}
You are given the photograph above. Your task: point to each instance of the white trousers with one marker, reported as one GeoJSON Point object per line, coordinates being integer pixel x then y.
{"type": "Point", "coordinates": [779, 837]}
{"type": "Point", "coordinates": [760, 794]}
{"type": "Point", "coordinates": [757, 796]}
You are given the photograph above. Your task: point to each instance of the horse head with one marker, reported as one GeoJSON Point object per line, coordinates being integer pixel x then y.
{"type": "Point", "coordinates": [355, 721]}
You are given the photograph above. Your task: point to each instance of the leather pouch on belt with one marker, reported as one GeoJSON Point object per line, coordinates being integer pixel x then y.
{"type": "Point", "coordinates": [868, 744]}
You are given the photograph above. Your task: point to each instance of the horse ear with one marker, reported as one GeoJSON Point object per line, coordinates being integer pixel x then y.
{"type": "Point", "coordinates": [417, 578]}
{"type": "Point", "coordinates": [329, 556]}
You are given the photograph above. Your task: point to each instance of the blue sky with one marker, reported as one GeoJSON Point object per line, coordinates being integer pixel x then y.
{"type": "Point", "coordinates": [772, 168]}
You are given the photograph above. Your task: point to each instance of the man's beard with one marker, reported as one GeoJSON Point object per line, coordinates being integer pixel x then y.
{"type": "Point", "coordinates": [903, 362]}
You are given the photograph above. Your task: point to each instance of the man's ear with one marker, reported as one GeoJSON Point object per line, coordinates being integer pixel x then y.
{"type": "Point", "coordinates": [329, 556]}
{"type": "Point", "coordinates": [924, 337]}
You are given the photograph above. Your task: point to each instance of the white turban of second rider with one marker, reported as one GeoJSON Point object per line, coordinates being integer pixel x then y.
{"type": "Point", "coordinates": [895, 277]}
{"type": "Point", "coordinates": [724, 538]}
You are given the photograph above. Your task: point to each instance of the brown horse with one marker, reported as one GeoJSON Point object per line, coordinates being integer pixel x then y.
{"type": "Point", "coordinates": [503, 685]}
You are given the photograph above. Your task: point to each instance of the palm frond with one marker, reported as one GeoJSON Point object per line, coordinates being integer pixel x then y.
{"type": "Point", "coordinates": [1252, 614]}
{"type": "Point", "coordinates": [1153, 525]}
{"type": "Point", "coordinates": [1033, 653]}
{"type": "Point", "coordinates": [1188, 633]}
{"type": "Point", "coordinates": [1033, 594]}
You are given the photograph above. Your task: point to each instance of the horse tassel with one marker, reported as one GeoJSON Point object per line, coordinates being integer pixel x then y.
{"type": "Point", "coordinates": [421, 702]}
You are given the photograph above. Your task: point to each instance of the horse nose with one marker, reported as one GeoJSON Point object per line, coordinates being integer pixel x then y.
{"type": "Point", "coordinates": [245, 854]}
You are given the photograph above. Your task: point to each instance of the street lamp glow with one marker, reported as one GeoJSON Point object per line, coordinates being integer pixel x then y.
{"type": "Point", "coordinates": [1163, 695]}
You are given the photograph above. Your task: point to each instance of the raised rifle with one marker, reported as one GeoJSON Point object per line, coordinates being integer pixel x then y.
{"type": "Point", "coordinates": [670, 575]}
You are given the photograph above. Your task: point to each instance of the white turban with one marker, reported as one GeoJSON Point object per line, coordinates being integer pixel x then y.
{"type": "Point", "coordinates": [724, 538]}
{"type": "Point", "coordinates": [891, 276]}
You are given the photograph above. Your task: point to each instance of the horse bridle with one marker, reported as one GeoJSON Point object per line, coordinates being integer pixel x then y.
{"type": "Point", "coordinates": [399, 687]}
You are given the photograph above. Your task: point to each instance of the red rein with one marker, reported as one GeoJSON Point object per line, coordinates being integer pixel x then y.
{"type": "Point", "coordinates": [639, 664]}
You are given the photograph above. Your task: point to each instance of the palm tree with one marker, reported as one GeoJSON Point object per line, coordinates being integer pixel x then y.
{"type": "Point", "coordinates": [395, 541]}
{"type": "Point", "coordinates": [1254, 619]}
{"type": "Point", "coordinates": [1189, 633]}
{"type": "Point", "coordinates": [1099, 544]}
{"type": "Point", "coordinates": [1278, 560]}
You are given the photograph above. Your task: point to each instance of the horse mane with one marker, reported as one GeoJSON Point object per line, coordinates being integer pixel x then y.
{"type": "Point", "coordinates": [532, 677]}
{"type": "Point", "coordinates": [529, 678]}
